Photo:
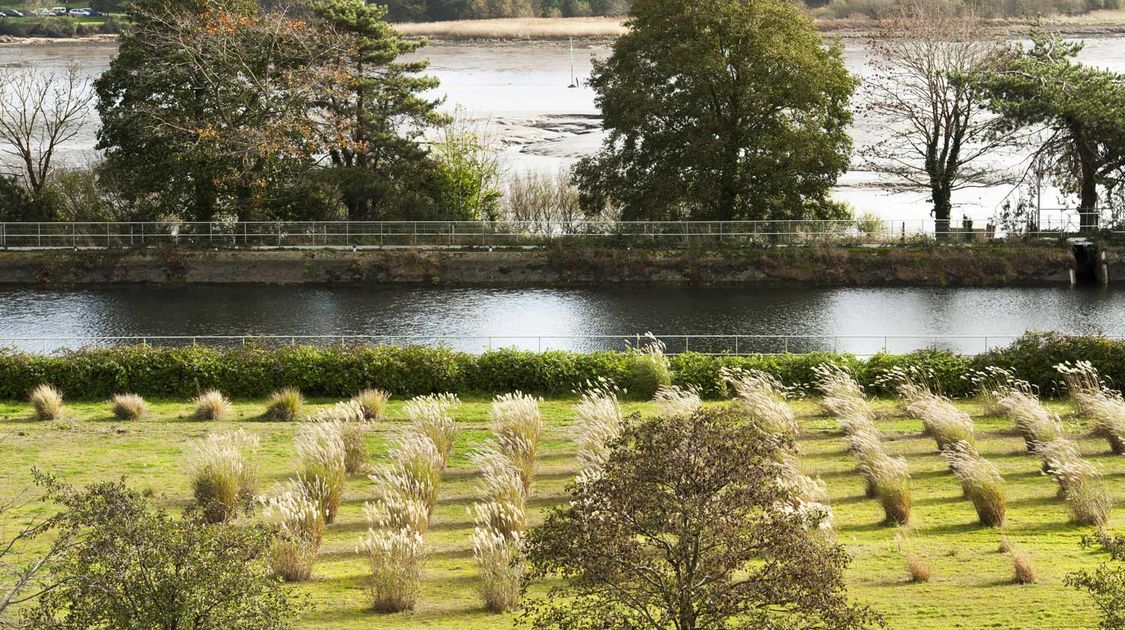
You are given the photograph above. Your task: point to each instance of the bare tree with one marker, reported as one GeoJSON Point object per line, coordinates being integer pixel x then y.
{"type": "Point", "coordinates": [39, 112]}
{"type": "Point", "coordinates": [936, 129]}
{"type": "Point", "coordinates": [24, 573]}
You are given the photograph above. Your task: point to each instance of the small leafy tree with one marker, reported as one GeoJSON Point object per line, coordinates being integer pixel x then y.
{"type": "Point", "coordinates": [1106, 583]}
{"type": "Point", "coordinates": [690, 525]}
{"type": "Point", "coordinates": [132, 566]}
{"type": "Point", "coordinates": [1080, 107]}
{"type": "Point", "coordinates": [720, 110]}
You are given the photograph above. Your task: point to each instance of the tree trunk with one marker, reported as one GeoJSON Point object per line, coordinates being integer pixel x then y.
{"type": "Point", "coordinates": [1088, 208]}
{"type": "Point", "coordinates": [942, 195]}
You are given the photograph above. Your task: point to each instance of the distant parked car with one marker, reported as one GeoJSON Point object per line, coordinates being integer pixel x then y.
{"type": "Point", "coordinates": [79, 13]}
{"type": "Point", "coordinates": [13, 13]}
{"type": "Point", "coordinates": [58, 10]}
{"type": "Point", "coordinates": [43, 12]}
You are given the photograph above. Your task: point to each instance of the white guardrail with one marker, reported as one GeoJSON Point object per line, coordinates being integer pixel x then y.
{"type": "Point", "coordinates": [859, 345]}
{"type": "Point", "coordinates": [348, 234]}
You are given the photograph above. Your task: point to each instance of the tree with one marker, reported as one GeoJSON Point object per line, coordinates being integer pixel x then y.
{"type": "Point", "coordinates": [936, 128]}
{"type": "Point", "coordinates": [378, 118]}
{"type": "Point", "coordinates": [720, 109]}
{"type": "Point", "coordinates": [39, 112]}
{"type": "Point", "coordinates": [687, 526]}
{"type": "Point", "coordinates": [132, 566]}
{"type": "Point", "coordinates": [468, 169]}
{"type": "Point", "coordinates": [24, 576]}
{"type": "Point", "coordinates": [209, 107]}
{"type": "Point", "coordinates": [1106, 583]}
{"type": "Point", "coordinates": [1080, 108]}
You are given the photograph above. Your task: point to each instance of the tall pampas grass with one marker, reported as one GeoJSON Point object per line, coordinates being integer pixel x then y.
{"type": "Point", "coordinates": [599, 422]}
{"type": "Point", "coordinates": [843, 396]}
{"type": "Point", "coordinates": [354, 428]}
{"type": "Point", "coordinates": [223, 475]}
{"type": "Point", "coordinates": [322, 456]}
{"type": "Point", "coordinates": [993, 384]}
{"type": "Point", "coordinates": [763, 399]}
{"type": "Point", "coordinates": [47, 403]}
{"type": "Point", "coordinates": [1034, 422]}
{"type": "Point", "coordinates": [675, 401]}
{"type": "Point", "coordinates": [944, 422]}
{"type": "Point", "coordinates": [413, 474]}
{"type": "Point", "coordinates": [517, 429]}
{"type": "Point", "coordinates": [395, 558]}
{"type": "Point", "coordinates": [502, 569]}
{"type": "Point", "coordinates": [1095, 400]}
{"type": "Point", "coordinates": [981, 481]}
{"type": "Point", "coordinates": [300, 526]}
{"type": "Point", "coordinates": [431, 416]}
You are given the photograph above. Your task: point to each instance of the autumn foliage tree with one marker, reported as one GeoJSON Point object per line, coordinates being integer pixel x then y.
{"type": "Point", "coordinates": [689, 526]}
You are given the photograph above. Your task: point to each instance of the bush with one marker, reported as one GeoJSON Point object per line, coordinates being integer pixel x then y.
{"type": "Point", "coordinates": [647, 370]}
{"type": "Point", "coordinates": [130, 565]}
{"type": "Point", "coordinates": [212, 405]}
{"type": "Point", "coordinates": [128, 407]}
{"type": "Point", "coordinates": [285, 405]}
{"type": "Point", "coordinates": [98, 374]}
{"type": "Point", "coordinates": [47, 403]}
{"type": "Point", "coordinates": [1023, 571]}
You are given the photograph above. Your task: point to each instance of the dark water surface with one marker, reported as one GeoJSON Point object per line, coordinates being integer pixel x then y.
{"type": "Point", "coordinates": [952, 318]}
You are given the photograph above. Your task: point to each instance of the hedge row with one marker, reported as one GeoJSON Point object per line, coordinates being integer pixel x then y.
{"type": "Point", "coordinates": [340, 372]}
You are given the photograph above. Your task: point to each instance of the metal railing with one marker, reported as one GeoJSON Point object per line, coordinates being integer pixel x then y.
{"type": "Point", "coordinates": [859, 345]}
{"type": "Point", "coordinates": [355, 234]}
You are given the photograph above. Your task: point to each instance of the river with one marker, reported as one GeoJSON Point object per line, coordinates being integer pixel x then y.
{"type": "Point", "coordinates": [955, 319]}
{"type": "Point", "coordinates": [521, 91]}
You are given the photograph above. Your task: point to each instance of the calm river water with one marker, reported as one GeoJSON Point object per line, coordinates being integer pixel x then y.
{"type": "Point", "coordinates": [925, 315]}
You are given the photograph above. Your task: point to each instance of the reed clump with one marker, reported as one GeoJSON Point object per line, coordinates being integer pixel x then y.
{"type": "Point", "coordinates": [672, 400]}
{"type": "Point", "coordinates": [374, 403]}
{"type": "Point", "coordinates": [128, 407]}
{"type": "Point", "coordinates": [354, 428]}
{"type": "Point", "coordinates": [599, 422]}
{"type": "Point", "coordinates": [1096, 400]}
{"type": "Point", "coordinates": [46, 403]}
{"type": "Point", "coordinates": [212, 405]}
{"type": "Point", "coordinates": [431, 416]}
{"type": "Point", "coordinates": [284, 405]}
{"type": "Point", "coordinates": [762, 398]}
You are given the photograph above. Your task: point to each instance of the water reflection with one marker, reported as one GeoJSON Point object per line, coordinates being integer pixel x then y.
{"type": "Point", "coordinates": [883, 314]}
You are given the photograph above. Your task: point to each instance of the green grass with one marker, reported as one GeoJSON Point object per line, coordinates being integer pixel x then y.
{"type": "Point", "coordinates": [970, 587]}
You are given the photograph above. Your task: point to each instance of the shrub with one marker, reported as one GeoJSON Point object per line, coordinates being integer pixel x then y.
{"type": "Point", "coordinates": [917, 566]}
{"type": "Point", "coordinates": [320, 449]}
{"type": "Point", "coordinates": [501, 569]}
{"type": "Point", "coordinates": [130, 565]}
{"type": "Point", "coordinates": [981, 481]}
{"type": "Point", "coordinates": [300, 525]}
{"type": "Point", "coordinates": [1022, 568]}
{"type": "Point", "coordinates": [672, 400]}
{"type": "Point", "coordinates": [373, 402]}
{"type": "Point", "coordinates": [284, 405]}
{"type": "Point", "coordinates": [396, 559]}
{"type": "Point", "coordinates": [598, 423]}
{"type": "Point", "coordinates": [212, 405]}
{"type": "Point", "coordinates": [47, 403]}
{"type": "Point", "coordinates": [223, 479]}
{"type": "Point", "coordinates": [128, 407]}
{"type": "Point", "coordinates": [430, 416]}
{"type": "Point", "coordinates": [354, 427]}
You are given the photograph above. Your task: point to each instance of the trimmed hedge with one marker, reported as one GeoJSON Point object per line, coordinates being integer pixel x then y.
{"type": "Point", "coordinates": [341, 372]}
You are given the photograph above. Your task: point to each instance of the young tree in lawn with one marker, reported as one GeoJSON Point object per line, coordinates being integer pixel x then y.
{"type": "Point", "coordinates": [720, 110]}
{"type": "Point", "coordinates": [690, 524]}
{"type": "Point", "coordinates": [936, 129]}
{"type": "Point", "coordinates": [1081, 109]}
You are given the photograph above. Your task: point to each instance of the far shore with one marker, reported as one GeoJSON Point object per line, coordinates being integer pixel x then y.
{"type": "Point", "coordinates": [1093, 24]}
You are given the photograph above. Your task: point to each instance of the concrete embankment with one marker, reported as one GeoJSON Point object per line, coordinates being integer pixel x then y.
{"type": "Point", "coordinates": [1028, 265]}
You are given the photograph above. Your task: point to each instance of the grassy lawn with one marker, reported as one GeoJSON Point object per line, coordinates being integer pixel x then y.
{"type": "Point", "coordinates": [970, 587]}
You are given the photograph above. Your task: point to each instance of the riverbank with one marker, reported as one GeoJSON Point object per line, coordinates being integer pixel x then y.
{"type": "Point", "coordinates": [570, 266]}
{"type": "Point", "coordinates": [1094, 24]}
